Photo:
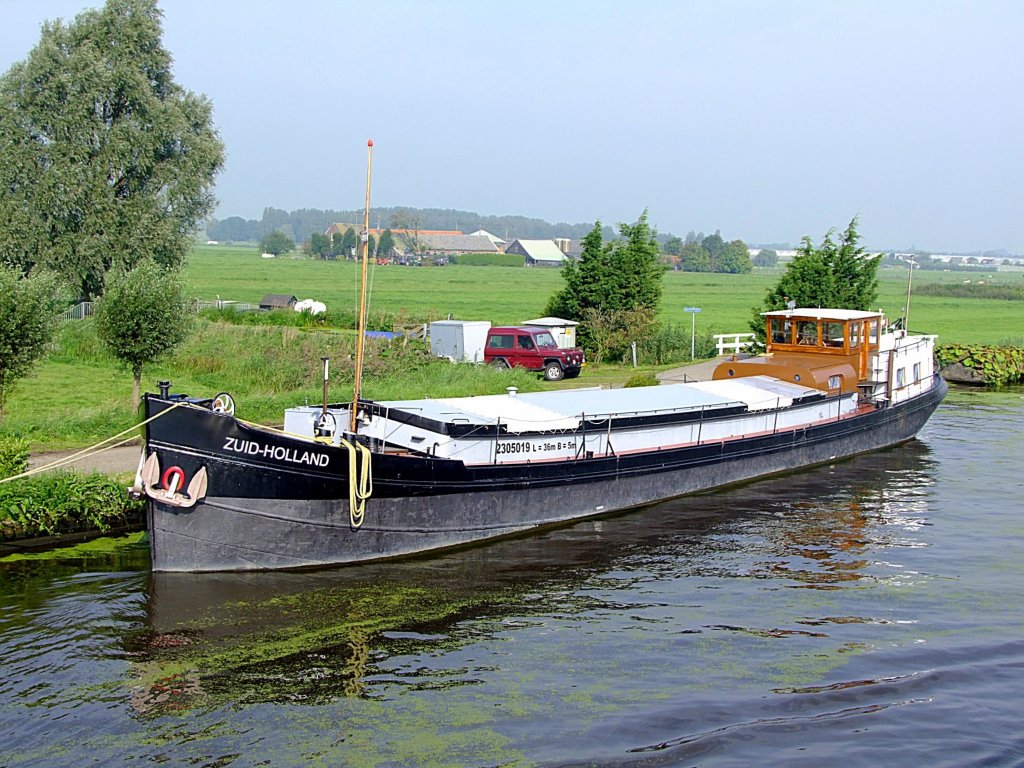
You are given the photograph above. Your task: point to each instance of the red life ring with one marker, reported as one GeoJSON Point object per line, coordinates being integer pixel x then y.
{"type": "Point", "coordinates": [165, 480]}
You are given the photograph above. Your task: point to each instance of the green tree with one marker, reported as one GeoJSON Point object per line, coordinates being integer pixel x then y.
{"type": "Point", "coordinates": [838, 275]}
{"type": "Point", "coordinates": [143, 314]}
{"type": "Point", "coordinates": [104, 159]}
{"type": "Point", "coordinates": [694, 258]}
{"type": "Point", "coordinates": [349, 243]}
{"type": "Point", "coordinates": [277, 242]}
{"type": "Point", "coordinates": [735, 259]}
{"type": "Point", "coordinates": [586, 281]}
{"type": "Point", "coordinates": [619, 280]}
{"type": "Point", "coordinates": [319, 245]}
{"type": "Point", "coordinates": [276, 218]}
{"type": "Point", "coordinates": [638, 255]}
{"type": "Point", "coordinates": [29, 307]}
{"type": "Point", "coordinates": [409, 222]}
{"type": "Point", "coordinates": [714, 245]}
{"type": "Point", "coordinates": [766, 257]}
{"type": "Point", "coordinates": [386, 244]}
{"type": "Point", "coordinates": [336, 240]}
{"type": "Point", "coordinates": [673, 246]}
{"type": "Point", "coordinates": [371, 246]}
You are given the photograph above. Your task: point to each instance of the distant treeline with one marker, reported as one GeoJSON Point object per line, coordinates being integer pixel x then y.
{"type": "Point", "coordinates": [300, 224]}
{"type": "Point", "coordinates": [1003, 291]}
{"type": "Point", "coordinates": [926, 263]}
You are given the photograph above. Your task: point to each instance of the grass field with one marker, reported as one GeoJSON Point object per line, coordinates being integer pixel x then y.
{"type": "Point", "coordinates": [507, 295]}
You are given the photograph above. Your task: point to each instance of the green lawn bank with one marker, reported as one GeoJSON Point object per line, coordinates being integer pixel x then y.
{"type": "Point", "coordinates": [58, 503]}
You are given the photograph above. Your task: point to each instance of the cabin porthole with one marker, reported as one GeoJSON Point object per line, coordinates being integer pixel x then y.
{"type": "Point", "coordinates": [732, 372]}
{"type": "Point", "coordinates": [796, 377]}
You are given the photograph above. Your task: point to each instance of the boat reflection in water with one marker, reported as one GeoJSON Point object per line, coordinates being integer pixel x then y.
{"type": "Point", "coordinates": [316, 636]}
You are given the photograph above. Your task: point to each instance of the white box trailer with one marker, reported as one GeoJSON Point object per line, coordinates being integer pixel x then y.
{"type": "Point", "coordinates": [459, 340]}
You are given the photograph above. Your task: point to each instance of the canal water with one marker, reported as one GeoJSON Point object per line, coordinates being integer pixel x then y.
{"type": "Point", "coordinates": [869, 612]}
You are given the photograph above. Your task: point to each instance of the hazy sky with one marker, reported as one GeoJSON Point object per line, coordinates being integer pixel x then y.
{"type": "Point", "coordinates": [766, 120]}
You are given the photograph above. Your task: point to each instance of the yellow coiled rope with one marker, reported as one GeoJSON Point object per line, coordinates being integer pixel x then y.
{"type": "Point", "coordinates": [360, 481]}
{"type": "Point", "coordinates": [360, 476]}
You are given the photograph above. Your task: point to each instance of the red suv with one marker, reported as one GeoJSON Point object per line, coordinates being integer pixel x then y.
{"type": "Point", "coordinates": [534, 349]}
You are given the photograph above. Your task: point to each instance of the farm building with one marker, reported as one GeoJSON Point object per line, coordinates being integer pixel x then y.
{"type": "Point", "coordinates": [278, 301]}
{"type": "Point", "coordinates": [449, 245]}
{"type": "Point", "coordinates": [537, 252]}
{"type": "Point", "coordinates": [493, 238]}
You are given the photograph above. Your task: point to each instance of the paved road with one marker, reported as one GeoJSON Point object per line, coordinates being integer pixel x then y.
{"type": "Point", "coordinates": [126, 458]}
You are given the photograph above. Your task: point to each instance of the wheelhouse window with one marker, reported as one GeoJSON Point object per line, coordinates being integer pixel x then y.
{"type": "Point", "coordinates": [856, 334]}
{"type": "Point", "coordinates": [873, 332]}
{"type": "Point", "coordinates": [832, 334]}
{"type": "Point", "coordinates": [835, 382]}
{"type": "Point", "coordinates": [807, 333]}
{"type": "Point", "coordinates": [780, 331]}
{"type": "Point", "coordinates": [917, 371]}
{"type": "Point", "coordinates": [901, 377]}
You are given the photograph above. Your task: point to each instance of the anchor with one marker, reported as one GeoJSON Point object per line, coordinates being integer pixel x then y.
{"type": "Point", "coordinates": [165, 487]}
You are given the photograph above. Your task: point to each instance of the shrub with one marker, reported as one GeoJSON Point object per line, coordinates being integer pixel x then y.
{"type": "Point", "coordinates": [64, 502]}
{"type": "Point", "coordinates": [13, 455]}
{"type": "Point", "coordinates": [997, 365]}
{"type": "Point", "coordinates": [671, 344]}
{"type": "Point", "coordinates": [382, 320]}
{"type": "Point", "coordinates": [642, 380]}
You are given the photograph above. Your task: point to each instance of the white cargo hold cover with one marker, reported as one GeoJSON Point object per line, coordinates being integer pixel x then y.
{"type": "Point", "coordinates": [759, 393]}
{"type": "Point", "coordinates": [565, 409]}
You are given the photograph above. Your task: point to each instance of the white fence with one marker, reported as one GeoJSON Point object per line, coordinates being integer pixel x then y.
{"type": "Point", "coordinates": [77, 312]}
{"type": "Point", "coordinates": [237, 306]}
{"type": "Point", "coordinates": [734, 343]}
{"type": "Point", "coordinates": [84, 310]}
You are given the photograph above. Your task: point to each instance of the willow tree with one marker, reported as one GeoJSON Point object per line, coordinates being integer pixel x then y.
{"type": "Point", "coordinates": [29, 308]}
{"type": "Point", "coordinates": [143, 315]}
{"type": "Point", "coordinates": [104, 159]}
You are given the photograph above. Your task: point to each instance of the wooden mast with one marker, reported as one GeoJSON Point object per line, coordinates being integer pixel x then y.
{"type": "Point", "coordinates": [361, 320]}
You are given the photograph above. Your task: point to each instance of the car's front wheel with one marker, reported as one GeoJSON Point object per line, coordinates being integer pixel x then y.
{"type": "Point", "coordinates": [553, 372]}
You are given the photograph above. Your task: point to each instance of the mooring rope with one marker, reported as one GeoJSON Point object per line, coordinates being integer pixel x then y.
{"type": "Point", "coordinates": [94, 450]}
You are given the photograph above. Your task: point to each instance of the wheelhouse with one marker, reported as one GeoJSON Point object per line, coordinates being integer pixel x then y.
{"type": "Point", "coordinates": [839, 333]}
{"type": "Point", "coordinates": [828, 349]}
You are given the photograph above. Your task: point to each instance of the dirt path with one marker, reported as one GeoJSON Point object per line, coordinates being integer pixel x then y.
{"type": "Point", "coordinates": [114, 461]}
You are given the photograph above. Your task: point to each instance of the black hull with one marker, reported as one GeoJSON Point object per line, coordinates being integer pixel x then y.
{"type": "Point", "coordinates": [286, 506]}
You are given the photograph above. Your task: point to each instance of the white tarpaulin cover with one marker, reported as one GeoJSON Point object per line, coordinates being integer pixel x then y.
{"type": "Point", "coordinates": [759, 393]}
{"type": "Point", "coordinates": [564, 409]}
